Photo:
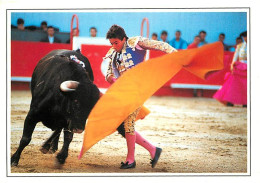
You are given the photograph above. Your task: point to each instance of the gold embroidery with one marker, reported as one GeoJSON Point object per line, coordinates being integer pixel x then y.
{"type": "Point", "coordinates": [129, 123]}
{"type": "Point", "coordinates": [129, 56]}
{"type": "Point", "coordinates": [109, 69]}
{"type": "Point", "coordinates": [132, 42]}
{"type": "Point", "coordinates": [131, 63]}
{"type": "Point", "coordinates": [110, 52]}
{"type": "Point", "coordinates": [127, 64]}
{"type": "Point", "coordinates": [124, 57]}
{"type": "Point", "coordinates": [146, 43]}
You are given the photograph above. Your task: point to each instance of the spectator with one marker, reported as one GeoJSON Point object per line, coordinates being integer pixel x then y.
{"type": "Point", "coordinates": [20, 24]}
{"type": "Point", "coordinates": [44, 26]}
{"type": "Point", "coordinates": [238, 41]}
{"type": "Point", "coordinates": [234, 89]}
{"type": "Point", "coordinates": [51, 38]}
{"type": "Point", "coordinates": [75, 32]}
{"type": "Point", "coordinates": [221, 38]}
{"type": "Point", "coordinates": [93, 32]}
{"type": "Point", "coordinates": [178, 42]}
{"type": "Point", "coordinates": [154, 36]}
{"type": "Point", "coordinates": [203, 35]}
{"type": "Point", "coordinates": [195, 43]}
{"type": "Point", "coordinates": [164, 36]}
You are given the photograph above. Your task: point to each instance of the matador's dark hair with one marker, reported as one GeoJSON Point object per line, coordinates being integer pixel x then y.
{"type": "Point", "coordinates": [116, 31]}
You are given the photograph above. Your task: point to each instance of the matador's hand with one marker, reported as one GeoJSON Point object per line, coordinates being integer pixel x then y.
{"type": "Point", "coordinates": [232, 66]}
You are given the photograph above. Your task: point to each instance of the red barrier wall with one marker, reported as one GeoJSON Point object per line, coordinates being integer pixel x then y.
{"type": "Point", "coordinates": [95, 54]}
{"type": "Point", "coordinates": [25, 56]}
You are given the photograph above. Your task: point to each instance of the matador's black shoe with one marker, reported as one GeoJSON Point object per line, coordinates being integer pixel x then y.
{"type": "Point", "coordinates": [127, 166]}
{"type": "Point", "coordinates": [156, 157]}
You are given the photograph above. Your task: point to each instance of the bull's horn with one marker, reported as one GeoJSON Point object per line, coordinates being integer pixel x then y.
{"type": "Point", "coordinates": [69, 86]}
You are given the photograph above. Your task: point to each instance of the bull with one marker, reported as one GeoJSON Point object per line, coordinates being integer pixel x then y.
{"type": "Point", "coordinates": [63, 95]}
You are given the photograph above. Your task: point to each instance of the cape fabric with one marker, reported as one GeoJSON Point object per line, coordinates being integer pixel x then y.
{"type": "Point", "coordinates": [136, 85]}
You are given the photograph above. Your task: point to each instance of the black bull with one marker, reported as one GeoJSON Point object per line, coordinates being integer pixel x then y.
{"type": "Point", "coordinates": [63, 95]}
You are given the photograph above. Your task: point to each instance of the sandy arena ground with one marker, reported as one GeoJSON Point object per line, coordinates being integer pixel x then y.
{"type": "Point", "coordinates": [197, 135]}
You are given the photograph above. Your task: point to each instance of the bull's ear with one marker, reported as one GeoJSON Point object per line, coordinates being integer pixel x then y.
{"type": "Point", "coordinates": [78, 50]}
{"type": "Point", "coordinates": [69, 86]}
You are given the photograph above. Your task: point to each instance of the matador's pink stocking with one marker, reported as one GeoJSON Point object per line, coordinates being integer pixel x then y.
{"type": "Point", "coordinates": [144, 143]}
{"type": "Point", "coordinates": [130, 140]}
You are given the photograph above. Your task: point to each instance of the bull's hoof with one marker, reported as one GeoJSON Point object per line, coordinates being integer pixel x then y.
{"type": "Point", "coordinates": [44, 150]}
{"type": "Point", "coordinates": [14, 161]}
{"type": "Point", "coordinates": [61, 158]}
{"type": "Point", "coordinates": [57, 164]}
{"type": "Point", "coordinates": [14, 164]}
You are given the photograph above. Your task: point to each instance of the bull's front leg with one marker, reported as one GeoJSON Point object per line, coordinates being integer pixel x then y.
{"type": "Point", "coordinates": [54, 144]}
{"type": "Point", "coordinates": [51, 144]}
{"type": "Point", "coordinates": [29, 126]}
{"type": "Point", "coordinates": [63, 154]}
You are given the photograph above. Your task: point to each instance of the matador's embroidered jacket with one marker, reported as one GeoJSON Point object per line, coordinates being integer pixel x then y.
{"type": "Point", "coordinates": [133, 53]}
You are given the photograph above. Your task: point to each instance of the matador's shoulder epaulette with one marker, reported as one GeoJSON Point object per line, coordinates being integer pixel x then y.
{"type": "Point", "coordinates": [110, 53]}
{"type": "Point", "coordinates": [132, 42]}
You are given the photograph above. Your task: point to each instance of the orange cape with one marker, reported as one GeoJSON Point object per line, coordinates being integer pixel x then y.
{"type": "Point", "coordinates": [136, 85]}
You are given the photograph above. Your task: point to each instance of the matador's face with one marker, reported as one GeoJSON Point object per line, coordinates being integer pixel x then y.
{"type": "Point", "coordinates": [117, 44]}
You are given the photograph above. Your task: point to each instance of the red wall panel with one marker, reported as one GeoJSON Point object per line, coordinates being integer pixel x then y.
{"type": "Point", "coordinates": [25, 55]}
{"type": "Point", "coordinates": [95, 54]}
